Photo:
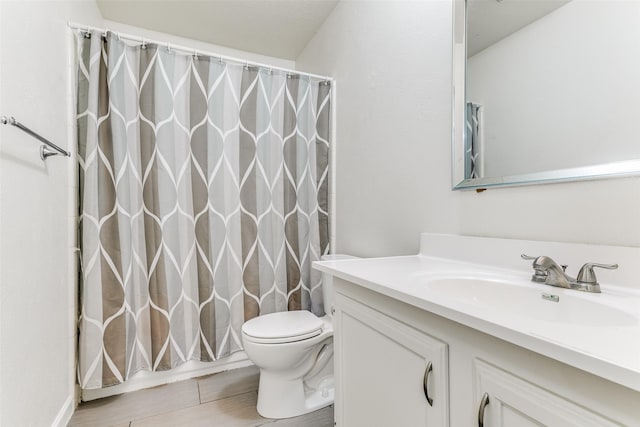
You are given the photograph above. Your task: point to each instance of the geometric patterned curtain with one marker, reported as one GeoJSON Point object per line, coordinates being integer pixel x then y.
{"type": "Point", "coordinates": [473, 142]}
{"type": "Point", "coordinates": [203, 202]}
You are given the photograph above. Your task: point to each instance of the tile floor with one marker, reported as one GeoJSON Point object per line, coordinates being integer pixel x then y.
{"type": "Point", "coordinates": [219, 400]}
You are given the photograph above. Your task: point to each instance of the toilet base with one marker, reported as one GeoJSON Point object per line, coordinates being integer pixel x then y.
{"type": "Point", "coordinates": [279, 398]}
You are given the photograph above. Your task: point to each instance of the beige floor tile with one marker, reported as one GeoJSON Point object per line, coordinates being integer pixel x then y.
{"type": "Point", "coordinates": [236, 411]}
{"type": "Point", "coordinates": [229, 383]}
{"type": "Point", "coordinates": [116, 410]}
{"type": "Point", "coordinates": [229, 400]}
{"type": "Point", "coordinates": [320, 418]}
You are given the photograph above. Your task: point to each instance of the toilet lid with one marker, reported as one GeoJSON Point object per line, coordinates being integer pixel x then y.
{"type": "Point", "coordinates": [283, 327]}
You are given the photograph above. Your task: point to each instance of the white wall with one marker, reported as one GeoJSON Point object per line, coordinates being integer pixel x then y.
{"type": "Point", "coordinates": [392, 62]}
{"type": "Point", "coordinates": [200, 45]}
{"type": "Point", "coordinates": [37, 273]}
{"type": "Point", "coordinates": [562, 92]}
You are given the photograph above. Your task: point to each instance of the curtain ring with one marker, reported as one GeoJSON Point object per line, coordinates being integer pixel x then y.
{"type": "Point", "coordinates": [144, 44]}
{"type": "Point", "coordinates": [168, 47]}
{"type": "Point", "coordinates": [195, 54]}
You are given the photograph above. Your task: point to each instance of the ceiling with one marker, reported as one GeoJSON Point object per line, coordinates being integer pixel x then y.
{"type": "Point", "coordinates": [280, 28]}
{"type": "Point", "coordinates": [489, 21]}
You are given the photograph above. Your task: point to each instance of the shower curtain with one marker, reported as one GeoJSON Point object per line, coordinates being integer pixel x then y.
{"type": "Point", "coordinates": [473, 167]}
{"type": "Point", "coordinates": [203, 202]}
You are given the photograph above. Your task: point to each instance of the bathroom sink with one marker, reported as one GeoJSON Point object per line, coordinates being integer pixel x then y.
{"type": "Point", "coordinates": [480, 284]}
{"type": "Point", "coordinates": [522, 299]}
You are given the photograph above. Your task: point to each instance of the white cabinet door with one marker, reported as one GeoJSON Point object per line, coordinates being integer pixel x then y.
{"type": "Point", "coordinates": [510, 401]}
{"type": "Point", "coordinates": [381, 366]}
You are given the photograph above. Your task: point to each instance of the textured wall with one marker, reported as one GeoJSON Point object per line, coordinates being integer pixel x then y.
{"type": "Point", "coordinates": [37, 272]}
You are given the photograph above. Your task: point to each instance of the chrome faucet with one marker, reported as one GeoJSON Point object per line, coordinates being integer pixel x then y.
{"type": "Point", "coordinates": [547, 271]}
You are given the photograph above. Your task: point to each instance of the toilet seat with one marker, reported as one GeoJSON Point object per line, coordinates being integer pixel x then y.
{"type": "Point", "coordinates": [283, 327]}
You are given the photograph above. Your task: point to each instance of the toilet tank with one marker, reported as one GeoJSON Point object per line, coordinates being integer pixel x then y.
{"type": "Point", "coordinates": [327, 282]}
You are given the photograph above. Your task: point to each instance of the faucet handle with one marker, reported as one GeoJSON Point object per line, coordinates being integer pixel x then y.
{"type": "Point", "coordinates": [587, 275]}
{"type": "Point", "coordinates": [539, 275]}
{"type": "Point", "coordinates": [529, 257]}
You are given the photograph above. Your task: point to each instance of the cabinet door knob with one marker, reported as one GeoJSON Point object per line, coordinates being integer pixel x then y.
{"type": "Point", "coordinates": [425, 382]}
{"type": "Point", "coordinates": [483, 404]}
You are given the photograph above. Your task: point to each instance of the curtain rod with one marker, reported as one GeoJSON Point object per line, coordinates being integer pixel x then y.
{"type": "Point", "coordinates": [193, 51]}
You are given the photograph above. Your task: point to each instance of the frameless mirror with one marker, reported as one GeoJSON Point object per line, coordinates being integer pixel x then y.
{"type": "Point", "coordinates": [545, 91]}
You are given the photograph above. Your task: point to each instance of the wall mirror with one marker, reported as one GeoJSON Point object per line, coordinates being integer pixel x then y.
{"type": "Point", "coordinates": [545, 91]}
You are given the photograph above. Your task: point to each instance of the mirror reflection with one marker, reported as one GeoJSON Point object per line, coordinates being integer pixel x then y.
{"type": "Point", "coordinates": [550, 85]}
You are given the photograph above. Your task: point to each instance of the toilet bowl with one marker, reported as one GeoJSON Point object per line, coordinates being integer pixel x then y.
{"type": "Point", "coordinates": [294, 352]}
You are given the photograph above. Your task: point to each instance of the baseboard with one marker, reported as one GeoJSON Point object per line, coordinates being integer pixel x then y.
{"type": "Point", "coordinates": [65, 413]}
{"type": "Point", "coordinates": [146, 379]}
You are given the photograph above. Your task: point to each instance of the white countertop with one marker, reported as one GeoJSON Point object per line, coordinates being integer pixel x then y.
{"type": "Point", "coordinates": [609, 351]}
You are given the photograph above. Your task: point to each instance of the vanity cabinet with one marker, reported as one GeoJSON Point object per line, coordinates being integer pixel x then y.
{"type": "Point", "coordinates": [506, 400]}
{"type": "Point", "coordinates": [389, 374]}
{"type": "Point", "coordinates": [383, 347]}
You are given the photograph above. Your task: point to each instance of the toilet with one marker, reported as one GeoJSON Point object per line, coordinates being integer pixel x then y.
{"type": "Point", "coordinates": [294, 352]}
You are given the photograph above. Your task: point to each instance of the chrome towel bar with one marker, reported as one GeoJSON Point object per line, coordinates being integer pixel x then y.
{"type": "Point", "coordinates": [44, 151]}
